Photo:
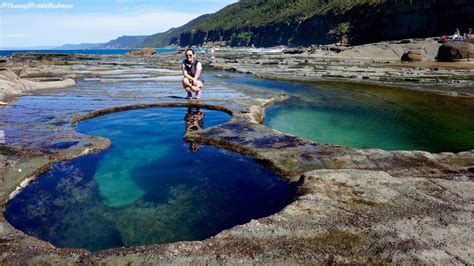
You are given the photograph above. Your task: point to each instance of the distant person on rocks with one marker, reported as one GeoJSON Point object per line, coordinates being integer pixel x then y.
{"type": "Point", "coordinates": [192, 81]}
{"type": "Point", "coordinates": [213, 50]}
{"type": "Point", "coordinates": [456, 35]}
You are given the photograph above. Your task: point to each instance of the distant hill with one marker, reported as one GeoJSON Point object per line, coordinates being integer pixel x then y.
{"type": "Point", "coordinates": [124, 42]}
{"type": "Point", "coordinates": [80, 46]}
{"type": "Point", "coordinates": [264, 23]}
{"type": "Point", "coordinates": [169, 37]}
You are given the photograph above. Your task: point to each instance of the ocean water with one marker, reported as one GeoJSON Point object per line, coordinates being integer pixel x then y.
{"type": "Point", "coordinates": [149, 187]}
{"type": "Point", "coordinates": [368, 116]}
{"type": "Point", "coordinates": [82, 51]}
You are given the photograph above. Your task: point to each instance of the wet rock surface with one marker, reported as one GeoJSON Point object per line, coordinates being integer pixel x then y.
{"type": "Point", "coordinates": [352, 205]}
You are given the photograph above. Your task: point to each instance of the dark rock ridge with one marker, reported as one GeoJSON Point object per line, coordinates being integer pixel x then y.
{"type": "Point", "coordinates": [343, 22]}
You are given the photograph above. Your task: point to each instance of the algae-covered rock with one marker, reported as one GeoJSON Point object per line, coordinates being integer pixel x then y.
{"type": "Point", "coordinates": [148, 51]}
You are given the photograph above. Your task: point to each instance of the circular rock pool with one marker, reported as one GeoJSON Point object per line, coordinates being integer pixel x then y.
{"type": "Point", "coordinates": [149, 187]}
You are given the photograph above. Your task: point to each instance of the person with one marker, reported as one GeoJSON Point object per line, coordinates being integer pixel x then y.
{"type": "Point", "coordinates": [192, 81]}
{"type": "Point", "coordinates": [213, 50]}
{"type": "Point", "coordinates": [456, 35]}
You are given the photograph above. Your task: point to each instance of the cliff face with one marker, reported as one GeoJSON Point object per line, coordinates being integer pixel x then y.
{"type": "Point", "coordinates": [354, 22]}
{"type": "Point", "coordinates": [413, 18]}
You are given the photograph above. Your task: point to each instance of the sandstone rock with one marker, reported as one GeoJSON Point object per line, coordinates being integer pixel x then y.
{"type": "Point", "coordinates": [454, 50]}
{"type": "Point", "coordinates": [43, 71]}
{"type": "Point", "coordinates": [412, 56]}
{"type": "Point", "coordinates": [148, 51]}
{"type": "Point", "coordinates": [12, 84]}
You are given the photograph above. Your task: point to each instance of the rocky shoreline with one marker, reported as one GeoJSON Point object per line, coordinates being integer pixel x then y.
{"type": "Point", "coordinates": [352, 205]}
{"type": "Point", "coordinates": [377, 63]}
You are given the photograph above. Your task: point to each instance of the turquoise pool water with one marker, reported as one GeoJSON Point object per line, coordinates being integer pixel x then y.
{"type": "Point", "coordinates": [149, 187]}
{"type": "Point", "coordinates": [368, 116]}
{"type": "Point", "coordinates": [364, 119]}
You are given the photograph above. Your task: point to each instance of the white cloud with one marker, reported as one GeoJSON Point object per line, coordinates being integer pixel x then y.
{"type": "Point", "coordinates": [55, 29]}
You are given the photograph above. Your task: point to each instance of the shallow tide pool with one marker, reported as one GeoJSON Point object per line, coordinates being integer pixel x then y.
{"type": "Point", "coordinates": [149, 187]}
{"type": "Point", "coordinates": [370, 120]}
{"type": "Point", "coordinates": [366, 116]}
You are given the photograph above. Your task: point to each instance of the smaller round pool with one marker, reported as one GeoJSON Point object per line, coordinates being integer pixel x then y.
{"type": "Point", "coordinates": [386, 118]}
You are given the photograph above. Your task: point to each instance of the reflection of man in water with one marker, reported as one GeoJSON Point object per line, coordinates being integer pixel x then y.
{"type": "Point", "coordinates": [194, 121]}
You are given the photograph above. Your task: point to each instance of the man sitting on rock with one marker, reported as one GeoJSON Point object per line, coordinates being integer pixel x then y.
{"type": "Point", "coordinates": [192, 68]}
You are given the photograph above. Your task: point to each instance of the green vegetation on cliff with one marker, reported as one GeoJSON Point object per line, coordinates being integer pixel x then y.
{"type": "Point", "coordinates": [257, 13]}
{"type": "Point", "coordinates": [164, 38]}
{"type": "Point", "coordinates": [304, 22]}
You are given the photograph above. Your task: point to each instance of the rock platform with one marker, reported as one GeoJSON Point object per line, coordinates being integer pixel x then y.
{"type": "Point", "coordinates": [350, 206]}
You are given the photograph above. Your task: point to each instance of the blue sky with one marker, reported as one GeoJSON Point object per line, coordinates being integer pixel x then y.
{"type": "Point", "coordinates": [94, 21]}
